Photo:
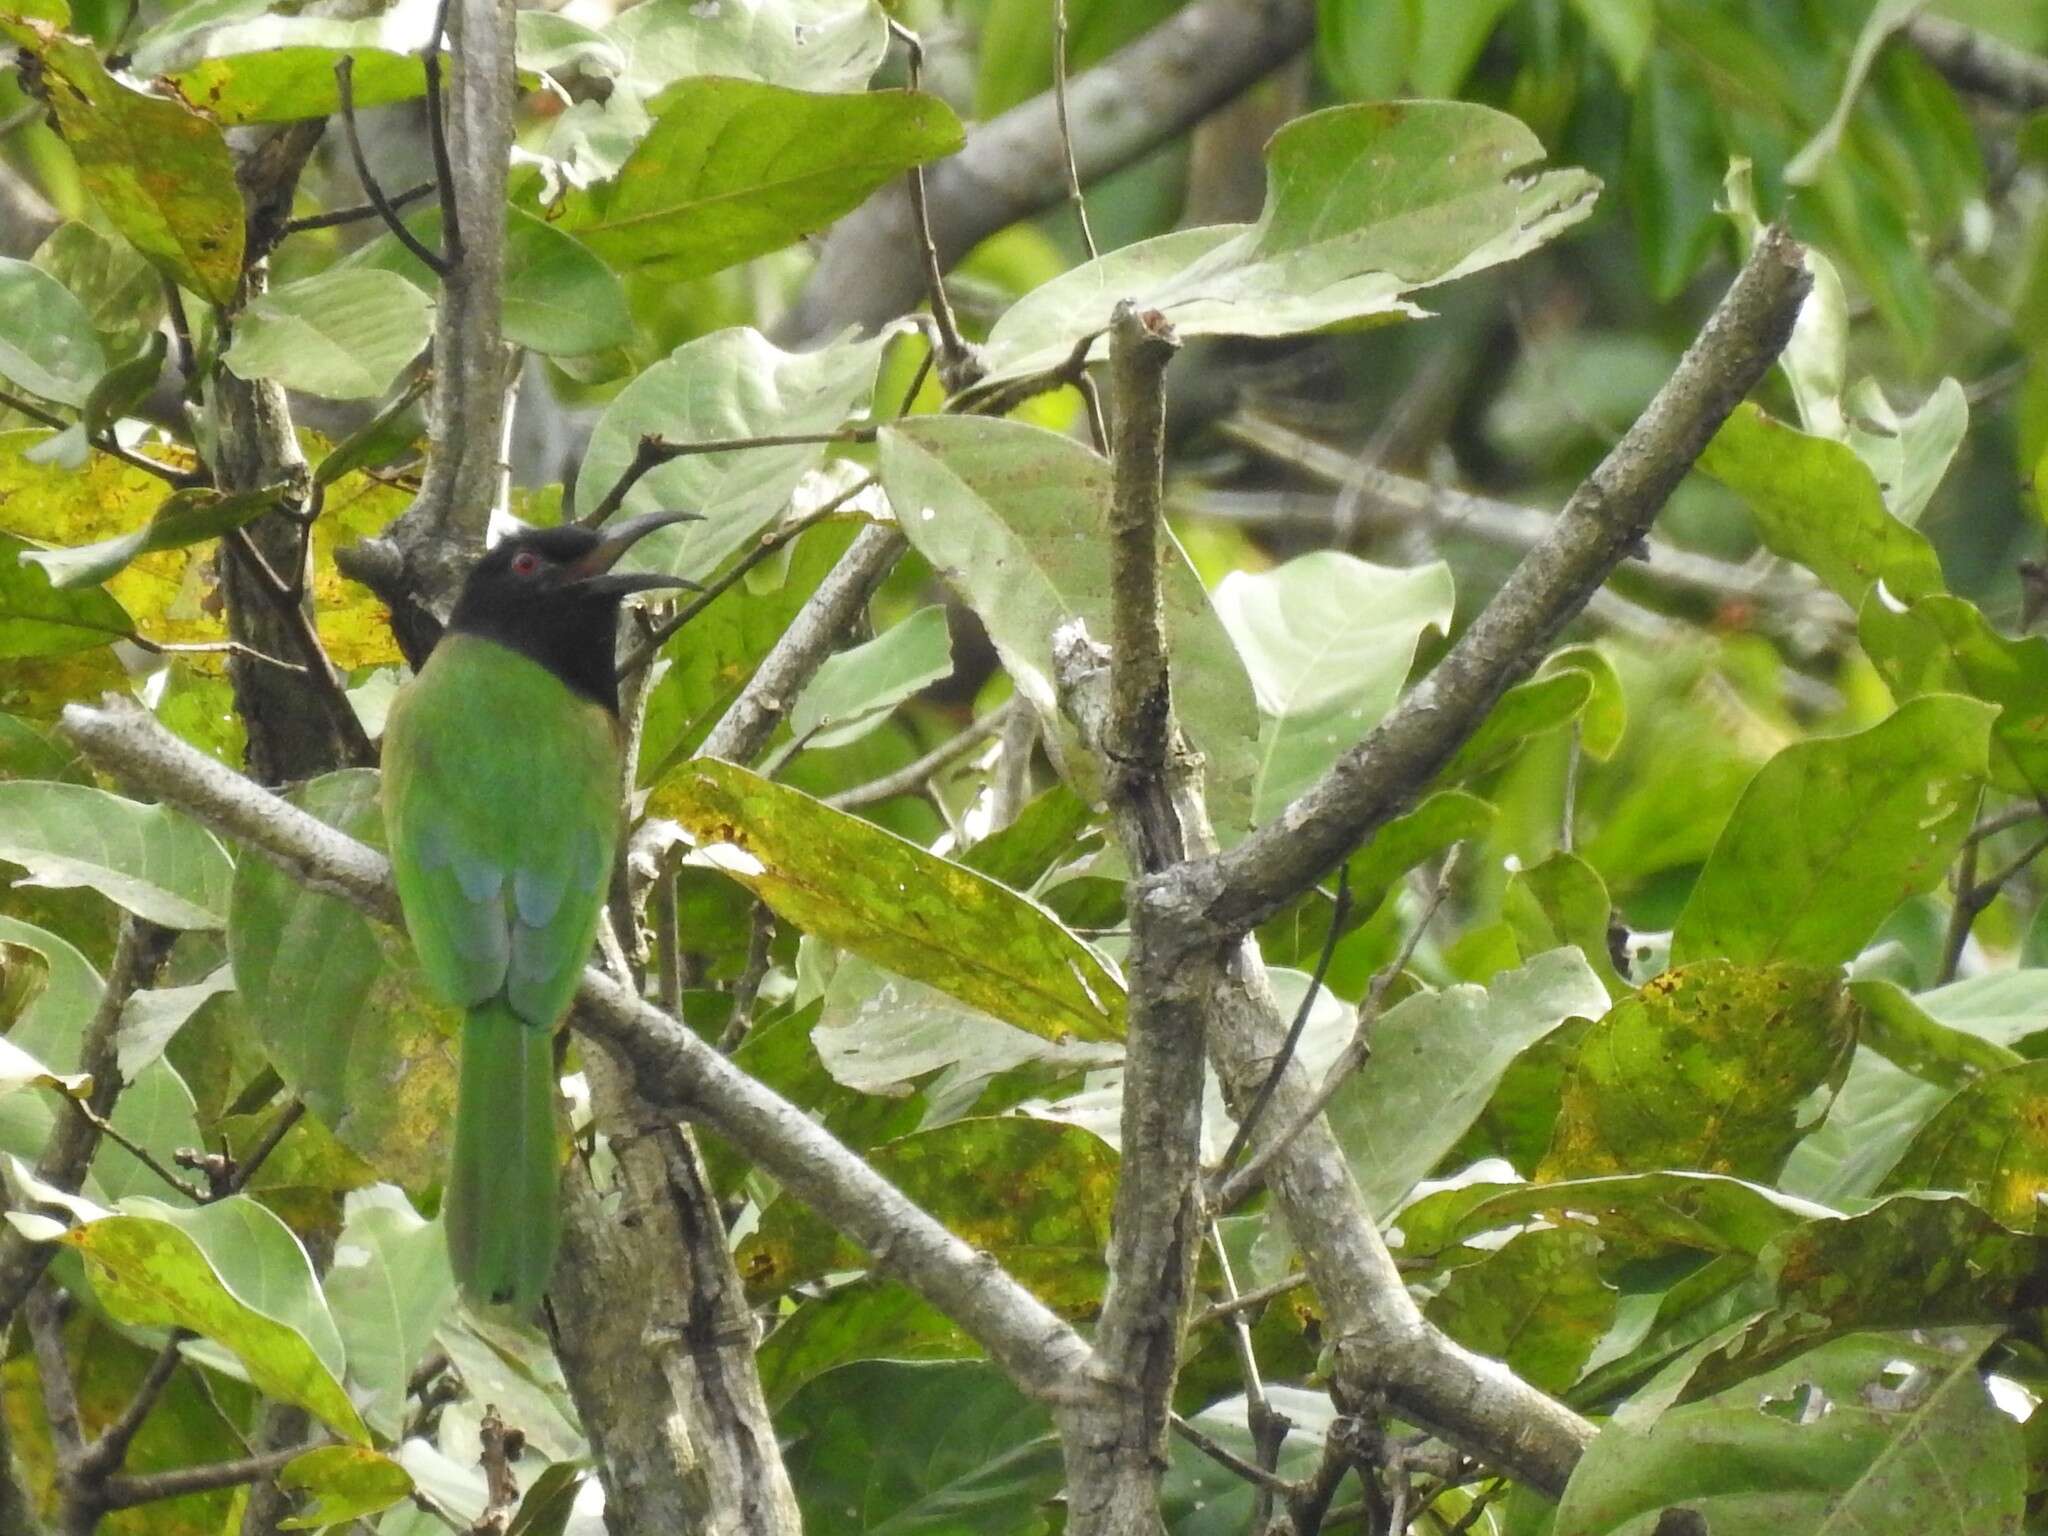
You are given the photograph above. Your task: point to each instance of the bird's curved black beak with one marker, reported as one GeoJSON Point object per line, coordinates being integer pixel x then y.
{"type": "Point", "coordinates": [593, 573]}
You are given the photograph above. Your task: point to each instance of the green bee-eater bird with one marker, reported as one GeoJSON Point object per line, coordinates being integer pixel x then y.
{"type": "Point", "coordinates": [502, 776]}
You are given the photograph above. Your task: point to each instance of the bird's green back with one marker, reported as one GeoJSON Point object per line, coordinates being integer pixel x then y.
{"type": "Point", "coordinates": [501, 801]}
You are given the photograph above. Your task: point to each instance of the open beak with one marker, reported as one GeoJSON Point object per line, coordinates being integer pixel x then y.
{"type": "Point", "coordinates": [593, 573]}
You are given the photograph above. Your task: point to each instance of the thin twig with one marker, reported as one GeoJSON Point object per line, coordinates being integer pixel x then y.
{"type": "Point", "coordinates": [357, 212]}
{"type": "Point", "coordinates": [912, 776]}
{"type": "Point", "coordinates": [247, 1168]}
{"type": "Point", "coordinates": [652, 452]}
{"type": "Point", "coordinates": [766, 545]}
{"type": "Point", "coordinates": [344, 80]}
{"type": "Point", "coordinates": [324, 674]}
{"type": "Point", "coordinates": [1961, 915]}
{"type": "Point", "coordinates": [210, 648]}
{"type": "Point", "coordinates": [437, 137]}
{"type": "Point", "coordinates": [181, 331]}
{"type": "Point", "coordinates": [1288, 1046]}
{"type": "Point", "coordinates": [181, 479]}
{"type": "Point", "coordinates": [1224, 1456]}
{"type": "Point", "coordinates": [957, 367]}
{"type": "Point", "coordinates": [1230, 1191]}
{"type": "Point", "coordinates": [2005, 821]}
{"type": "Point", "coordinates": [1059, 96]}
{"type": "Point", "coordinates": [106, 1454]}
{"type": "Point", "coordinates": [1244, 1301]}
{"type": "Point", "coordinates": [148, 1487]}
{"type": "Point", "coordinates": [748, 987]}
{"type": "Point", "coordinates": [140, 1153]}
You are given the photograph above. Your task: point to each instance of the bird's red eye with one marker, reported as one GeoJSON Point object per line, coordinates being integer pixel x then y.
{"type": "Point", "coordinates": [525, 563]}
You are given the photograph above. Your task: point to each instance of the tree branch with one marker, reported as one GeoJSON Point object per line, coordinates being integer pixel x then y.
{"type": "Point", "coordinates": [417, 564]}
{"type": "Point", "coordinates": [673, 1070]}
{"type": "Point", "coordinates": [1983, 65]}
{"type": "Point", "coordinates": [1600, 525]}
{"type": "Point", "coordinates": [1015, 165]}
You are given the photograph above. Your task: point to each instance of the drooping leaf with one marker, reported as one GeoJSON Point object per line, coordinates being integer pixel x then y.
{"type": "Point", "coordinates": [730, 384]}
{"type": "Point", "coordinates": [853, 692]}
{"type": "Point", "coordinates": [233, 1274]}
{"type": "Point", "coordinates": [47, 343]}
{"type": "Point", "coordinates": [1833, 833]}
{"type": "Point", "coordinates": [1908, 1036]}
{"type": "Point", "coordinates": [150, 859]}
{"type": "Point", "coordinates": [1544, 703]}
{"type": "Point", "coordinates": [1364, 204]}
{"type": "Point", "coordinates": [343, 1482]}
{"type": "Point", "coordinates": [1856, 1435]}
{"type": "Point", "coordinates": [867, 890]}
{"type": "Point", "coordinates": [1539, 1304]}
{"type": "Point", "coordinates": [189, 516]}
{"type": "Point", "coordinates": [39, 620]}
{"type": "Point", "coordinates": [735, 168]}
{"type": "Point", "coordinates": [1013, 518]}
{"type": "Point", "coordinates": [389, 1287]}
{"type": "Point", "coordinates": [160, 170]}
{"type": "Point", "coordinates": [1435, 1060]}
{"type": "Point", "coordinates": [1873, 1119]}
{"type": "Point", "coordinates": [343, 334]}
{"type": "Point", "coordinates": [1563, 901]}
{"type": "Point", "coordinates": [340, 1005]}
{"type": "Point", "coordinates": [1328, 641]}
{"type": "Point", "coordinates": [1815, 502]}
{"type": "Point", "coordinates": [24, 973]}
{"type": "Point", "coordinates": [1705, 1067]}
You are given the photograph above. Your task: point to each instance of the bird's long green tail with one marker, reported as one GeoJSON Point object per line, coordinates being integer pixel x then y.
{"type": "Point", "coordinates": [500, 1210]}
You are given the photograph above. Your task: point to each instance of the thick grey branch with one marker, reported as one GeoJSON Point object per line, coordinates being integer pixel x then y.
{"type": "Point", "coordinates": [1983, 65]}
{"type": "Point", "coordinates": [1604, 520]}
{"type": "Point", "coordinates": [1014, 165]}
{"type": "Point", "coordinates": [673, 1070]}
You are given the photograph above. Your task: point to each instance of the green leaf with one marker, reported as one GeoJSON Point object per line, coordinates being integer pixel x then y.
{"type": "Point", "coordinates": [1909, 454]}
{"type": "Point", "coordinates": [160, 171]}
{"type": "Point", "coordinates": [1706, 1067]}
{"type": "Point", "coordinates": [121, 293]}
{"type": "Point", "coordinates": [1034, 1194]}
{"type": "Point", "coordinates": [559, 299]}
{"type": "Point", "coordinates": [1832, 834]}
{"type": "Point", "coordinates": [1605, 718]}
{"type": "Point", "coordinates": [1013, 517]}
{"type": "Point", "coordinates": [146, 858]}
{"type": "Point", "coordinates": [259, 66]}
{"type": "Point", "coordinates": [189, 516]}
{"type": "Point", "coordinates": [1943, 644]}
{"type": "Point", "coordinates": [878, 1032]}
{"type": "Point", "coordinates": [736, 168]}
{"type": "Point", "coordinates": [1989, 1143]}
{"type": "Point", "coordinates": [24, 973]}
{"type": "Point", "coordinates": [854, 691]}
{"type": "Point", "coordinates": [1044, 834]}
{"type": "Point", "coordinates": [1675, 162]}
{"type": "Point", "coordinates": [1816, 503]}
{"type": "Point", "coordinates": [39, 620]}
{"type": "Point", "coordinates": [1847, 1438]}
{"type": "Point", "coordinates": [343, 334]}
{"type": "Point", "coordinates": [1528, 709]}
{"type": "Point", "coordinates": [868, 1320]}
{"type": "Point", "coordinates": [1563, 900]}
{"type": "Point", "coordinates": [1436, 1058]}
{"type": "Point", "coordinates": [47, 343]}
{"type": "Point", "coordinates": [819, 45]}
{"type": "Point", "coordinates": [849, 882]}
{"type": "Point", "coordinates": [54, 1019]}
{"type": "Point", "coordinates": [888, 1447]}
{"type": "Point", "coordinates": [730, 384]}
{"type": "Point", "coordinates": [344, 1482]}
{"type": "Point", "coordinates": [340, 1005]}
{"type": "Point", "coordinates": [1538, 1304]}
{"type": "Point", "coordinates": [234, 1274]}
{"type": "Point", "coordinates": [1905, 1034]}
{"type": "Point", "coordinates": [1634, 1213]}
{"type": "Point", "coordinates": [1328, 641]}
{"type": "Point", "coordinates": [1364, 205]}
{"type": "Point", "coordinates": [389, 1287]}
{"type": "Point", "coordinates": [1875, 1116]}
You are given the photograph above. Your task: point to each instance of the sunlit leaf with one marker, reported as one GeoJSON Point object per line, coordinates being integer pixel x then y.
{"type": "Point", "coordinates": [47, 343]}
{"type": "Point", "coordinates": [38, 620]}
{"type": "Point", "coordinates": [854, 691]}
{"type": "Point", "coordinates": [342, 334]}
{"type": "Point", "coordinates": [1988, 1142]}
{"type": "Point", "coordinates": [190, 516]}
{"type": "Point", "coordinates": [389, 1287]}
{"type": "Point", "coordinates": [343, 1482]}
{"type": "Point", "coordinates": [1539, 1304]}
{"type": "Point", "coordinates": [848, 881]}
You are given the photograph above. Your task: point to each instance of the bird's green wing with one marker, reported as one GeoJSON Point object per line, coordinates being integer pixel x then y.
{"type": "Point", "coordinates": [500, 805]}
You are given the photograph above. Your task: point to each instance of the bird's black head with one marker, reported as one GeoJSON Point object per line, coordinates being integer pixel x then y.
{"type": "Point", "coordinates": [551, 594]}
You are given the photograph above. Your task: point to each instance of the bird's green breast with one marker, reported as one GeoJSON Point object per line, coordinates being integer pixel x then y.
{"type": "Point", "coordinates": [500, 799]}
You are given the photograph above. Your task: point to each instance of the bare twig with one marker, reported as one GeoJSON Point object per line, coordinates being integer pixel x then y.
{"type": "Point", "coordinates": [179, 478]}
{"type": "Point", "coordinates": [1981, 64]}
{"type": "Point", "coordinates": [914, 775]}
{"type": "Point", "coordinates": [652, 452]}
{"type": "Point", "coordinates": [252, 1163]}
{"type": "Point", "coordinates": [129, 1490]}
{"type": "Point", "coordinates": [1225, 1457]}
{"type": "Point", "coordinates": [957, 367]}
{"type": "Point", "coordinates": [344, 82]}
{"type": "Point", "coordinates": [357, 212]}
{"type": "Point", "coordinates": [1059, 96]}
{"type": "Point", "coordinates": [1245, 1301]}
{"type": "Point", "coordinates": [747, 986]}
{"type": "Point", "coordinates": [437, 137]}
